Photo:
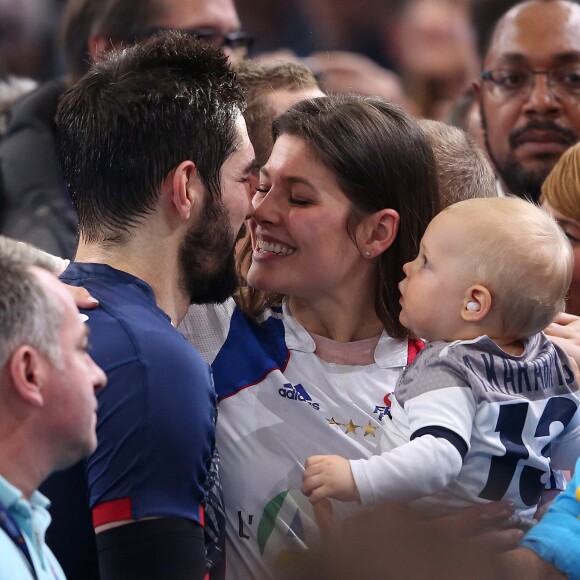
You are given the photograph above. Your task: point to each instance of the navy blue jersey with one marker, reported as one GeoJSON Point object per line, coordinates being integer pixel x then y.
{"type": "Point", "coordinates": [156, 417]}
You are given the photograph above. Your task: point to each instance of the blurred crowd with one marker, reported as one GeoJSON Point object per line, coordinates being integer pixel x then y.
{"type": "Point", "coordinates": [280, 240]}
{"type": "Point", "coordinates": [427, 49]}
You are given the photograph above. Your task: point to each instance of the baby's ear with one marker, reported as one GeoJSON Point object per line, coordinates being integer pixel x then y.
{"type": "Point", "coordinates": [476, 304]}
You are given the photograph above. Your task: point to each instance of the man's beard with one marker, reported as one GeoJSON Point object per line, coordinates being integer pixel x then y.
{"type": "Point", "coordinates": [206, 257]}
{"type": "Point", "coordinates": [524, 183]}
{"type": "Point", "coordinates": [519, 180]}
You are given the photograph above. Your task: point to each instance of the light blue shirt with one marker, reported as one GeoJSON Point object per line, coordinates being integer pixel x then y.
{"type": "Point", "coordinates": [556, 537]}
{"type": "Point", "coordinates": [33, 519]}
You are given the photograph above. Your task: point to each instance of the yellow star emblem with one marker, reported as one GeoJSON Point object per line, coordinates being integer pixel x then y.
{"type": "Point", "coordinates": [333, 423]}
{"type": "Point", "coordinates": [369, 430]}
{"type": "Point", "coordinates": [351, 427]}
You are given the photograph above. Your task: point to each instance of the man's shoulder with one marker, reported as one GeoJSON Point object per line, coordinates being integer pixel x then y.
{"type": "Point", "coordinates": [39, 105]}
{"type": "Point", "coordinates": [120, 294]}
{"type": "Point", "coordinates": [128, 327]}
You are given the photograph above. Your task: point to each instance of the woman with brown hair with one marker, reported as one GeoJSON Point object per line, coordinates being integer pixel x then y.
{"type": "Point", "coordinates": [306, 358]}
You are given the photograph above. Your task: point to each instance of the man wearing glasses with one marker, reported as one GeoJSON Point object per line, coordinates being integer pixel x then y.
{"type": "Point", "coordinates": [127, 21]}
{"type": "Point", "coordinates": [529, 92]}
{"type": "Point", "coordinates": [36, 206]}
{"type": "Point", "coordinates": [529, 96]}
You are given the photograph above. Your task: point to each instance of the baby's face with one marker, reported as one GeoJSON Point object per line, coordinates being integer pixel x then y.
{"type": "Point", "coordinates": [433, 293]}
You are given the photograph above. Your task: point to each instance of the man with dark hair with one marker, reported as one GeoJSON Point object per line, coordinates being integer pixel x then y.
{"type": "Point", "coordinates": [37, 206]}
{"type": "Point", "coordinates": [529, 92]}
{"type": "Point", "coordinates": [155, 153]}
{"type": "Point", "coordinates": [47, 403]}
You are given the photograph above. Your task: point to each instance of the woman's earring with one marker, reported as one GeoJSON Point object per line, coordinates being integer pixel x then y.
{"type": "Point", "coordinates": [368, 254]}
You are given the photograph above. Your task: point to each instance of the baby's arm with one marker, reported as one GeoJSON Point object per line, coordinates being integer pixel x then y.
{"type": "Point", "coordinates": [439, 424]}
{"type": "Point", "coordinates": [418, 468]}
{"type": "Point", "coordinates": [328, 476]}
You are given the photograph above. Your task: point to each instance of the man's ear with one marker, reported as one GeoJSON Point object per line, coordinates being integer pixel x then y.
{"type": "Point", "coordinates": [377, 232]}
{"type": "Point", "coordinates": [99, 45]}
{"type": "Point", "coordinates": [28, 371]}
{"type": "Point", "coordinates": [476, 304]}
{"type": "Point", "coordinates": [186, 189]}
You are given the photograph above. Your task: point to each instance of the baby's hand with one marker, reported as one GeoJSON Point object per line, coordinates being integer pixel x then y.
{"type": "Point", "coordinates": [329, 476]}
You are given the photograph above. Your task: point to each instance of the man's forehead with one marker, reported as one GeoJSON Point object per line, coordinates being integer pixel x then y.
{"type": "Point", "coordinates": [242, 158]}
{"type": "Point", "coordinates": [242, 132]}
{"type": "Point", "coordinates": [191, 14]}
{"type": "Point", "coordinates": [537, 31]}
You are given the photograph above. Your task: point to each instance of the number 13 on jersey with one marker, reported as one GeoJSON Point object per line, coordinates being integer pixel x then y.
{"type": "Point", "coordinates": [514, 420]}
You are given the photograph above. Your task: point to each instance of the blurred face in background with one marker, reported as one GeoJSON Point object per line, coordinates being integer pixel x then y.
{"type": "Point", "coordinates": [527, 130]}
{"type": "Point", "coordinates": [443, 40]}
{"type": "Point", "coordinates": [214, 16]}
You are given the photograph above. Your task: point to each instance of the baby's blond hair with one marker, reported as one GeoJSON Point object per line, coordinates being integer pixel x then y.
{"type": "Point", "coordinates": [561, 189]}
{"type": "Point", "coordinates": [520, 254]}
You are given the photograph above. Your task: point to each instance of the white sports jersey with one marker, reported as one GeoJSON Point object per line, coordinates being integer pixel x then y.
{"type": "Point", "coordinates": [279, 404]}
{"type": "Point", "coordinates": [483, 426]}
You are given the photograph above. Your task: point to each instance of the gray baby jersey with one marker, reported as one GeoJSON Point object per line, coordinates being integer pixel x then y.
{"type": "Point", "coordinates": [480, 425]}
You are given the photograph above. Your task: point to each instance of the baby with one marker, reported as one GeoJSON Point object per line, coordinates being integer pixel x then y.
{"type": "Point", "coordinates": [490, 404]}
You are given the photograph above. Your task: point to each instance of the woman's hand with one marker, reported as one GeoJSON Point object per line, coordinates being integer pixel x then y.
{"type": "Point", "coordinates": [565, 332]}
{"type": "Point", "coordinates": [82, 297]}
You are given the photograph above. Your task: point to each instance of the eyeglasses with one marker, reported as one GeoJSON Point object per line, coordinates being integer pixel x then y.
{"type": "Point", "coordinates": [512, 83]}
{"type": "Point", "coordinates": [239, 42]}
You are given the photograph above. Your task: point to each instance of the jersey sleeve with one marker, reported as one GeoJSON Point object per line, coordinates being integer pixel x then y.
{"type": "Point", "coordinates": [440, 416]}
{"type": "Point", "coordinates": [156, 431]}
{"type": "Point", "coordinates": [418, 468]}
{"type": "Point", "coordinates": [436, 397]}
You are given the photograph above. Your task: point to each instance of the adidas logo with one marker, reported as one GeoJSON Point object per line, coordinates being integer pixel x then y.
{"type": "Point", "coordinates": [297, 393]}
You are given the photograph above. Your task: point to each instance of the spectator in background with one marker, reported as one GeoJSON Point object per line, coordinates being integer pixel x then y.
{"type": "Point", "coordinates": [463, 170]}
{"type": "Point", "coordinates": [340, 42]}
{"type": "Point", "coordinates": [484, 17]}
{"type": "Point", "coordinates": [37, 206]}
{"type": "Point", "coordinates": [434, 48]}
{"type": "Point", "coordinates": [561, 197]}
{"type": "Point", "coordinates": [464, 114]}
{"type": "Point", "coordinates": [529, 92]}
{"type": "Point", "coordinates": [270, 90]}
{"type": "Point", "coordinates": [11, 90]}
{"type": "Point", "coordinates": [47, 403]}
{"type": "Point", "coordinates": [26, 38]}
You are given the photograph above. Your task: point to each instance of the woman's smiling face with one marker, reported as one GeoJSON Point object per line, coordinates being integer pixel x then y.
{"type": "Point", "coordinates": [301, 246]}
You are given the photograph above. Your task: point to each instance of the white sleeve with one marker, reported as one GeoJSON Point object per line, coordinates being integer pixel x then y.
{"type": "Point", "coordinates": [421, 467]}
{"type": "Point", "coordinates": [206, 327]}
{"type": "Point", "coordinates": [429, 462]}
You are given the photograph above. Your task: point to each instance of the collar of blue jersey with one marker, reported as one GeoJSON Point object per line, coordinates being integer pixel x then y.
{"type": "Point", "coordinates": [390, 352]}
